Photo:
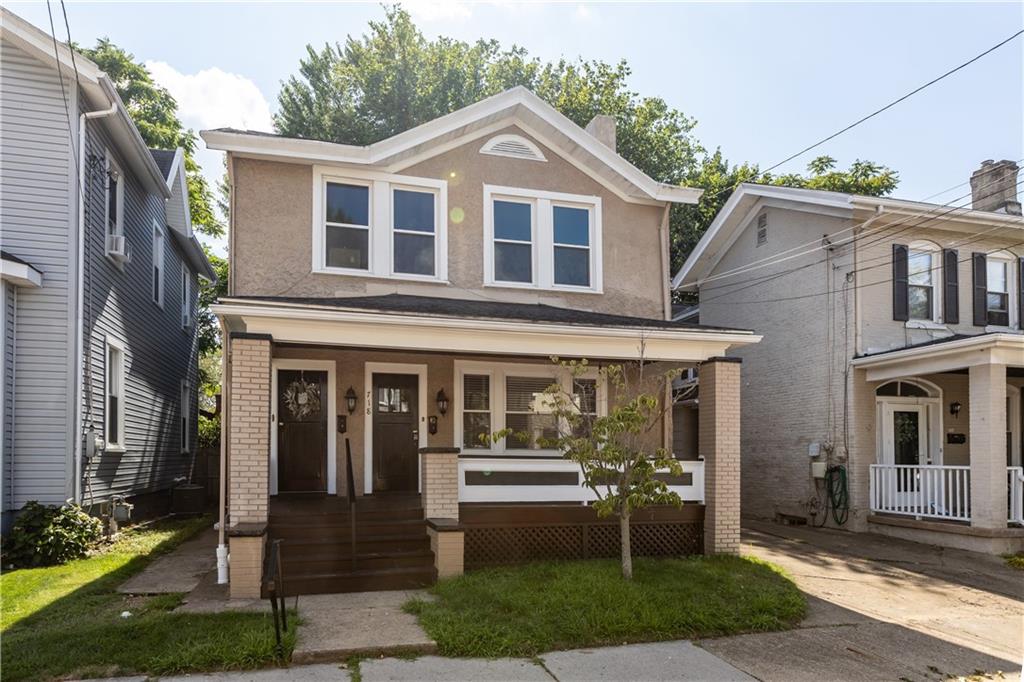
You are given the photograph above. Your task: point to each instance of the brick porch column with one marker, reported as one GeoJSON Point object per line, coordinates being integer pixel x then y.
{"type": "Point", "coordinates": [719, 443]}
{"type": "Point", "coordinates": [248, 461]}
{"type": "Point", "coordinates": [440, 482]}
{"type": "Point", "coordinates": [987, 395]}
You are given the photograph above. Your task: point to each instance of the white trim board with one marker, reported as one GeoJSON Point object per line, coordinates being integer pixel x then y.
{"type": "Point", "coordinates": [332, 412]}
{"type": "Point", "coordinates": [369, 369]}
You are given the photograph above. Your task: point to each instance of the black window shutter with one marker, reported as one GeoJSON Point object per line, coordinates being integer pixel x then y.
{"type": "Point", "coordinates": [1020, 292]}
{"type": "Point", "coordinates": [950, 287]}
{"type": "Point", "coordinates": [900, 266]}
{"type": "Point", "coordinates": [978, 261]}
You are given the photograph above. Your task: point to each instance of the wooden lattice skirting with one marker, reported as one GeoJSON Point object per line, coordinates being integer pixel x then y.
{"type": "Point", "coordinates": [508, 534]}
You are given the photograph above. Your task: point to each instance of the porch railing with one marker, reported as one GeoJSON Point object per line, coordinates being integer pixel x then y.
{"type": "Point", "coordinates": [549, 479]}
{"type": "Point", "coordinates": [936, 491]}
{"type": "Point", "coordinates": [925, 491]}
{"type": "Point", "coordinates": [1015, 482]}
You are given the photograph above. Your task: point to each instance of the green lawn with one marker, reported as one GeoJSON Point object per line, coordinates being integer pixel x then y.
{"type": "Point", "coordinates": [526, 610]}
{"type": "Point", "coordinates": [66, 620]}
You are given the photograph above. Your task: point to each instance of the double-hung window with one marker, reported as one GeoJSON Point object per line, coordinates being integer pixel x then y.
{"type": "Point", "coordinates": [921, 269]}
{"type": "Point", "coordinates": [186, 298]}
{"type": "Point", "coordinates": [114, 400]}
{"type": "Point", "coordinates": [541, 240]}
{"type": "Point", "coordinates": [414, 220]}
{"type": "Point", "coordinates": [997, 299]}
{"type": "Point", "coordinates": [158, 264]}
{"type": "Point", "coordinates": [185, 415]}
{"type": "Point", "coordinates": [114, 198]}
{"type": "Point", "coordinates": [515, 398]}
{"type": "Point", "coordinates": [379, 225]}
{"type": "Point", "coordinates": [347, 226]}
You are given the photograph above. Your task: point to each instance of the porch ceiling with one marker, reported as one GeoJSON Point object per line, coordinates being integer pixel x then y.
{"type": "Point", "coordinates": [945, 355]}
{"type": "Point", "coordinates": [618, 337]}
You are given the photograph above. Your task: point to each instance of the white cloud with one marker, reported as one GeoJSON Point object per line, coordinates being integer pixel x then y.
{"type": "Point", "coordinates": [583, 13]}
{"type": "Point", "coordinates": [213, 98]}
{"type": "Point", "coordinates": [439, 10]}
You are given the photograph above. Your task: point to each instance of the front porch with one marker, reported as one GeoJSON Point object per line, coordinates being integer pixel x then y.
{"type": "Point", "coordinates": [372, 463]}
{"type": "Point", "coordinates": [945, 467]}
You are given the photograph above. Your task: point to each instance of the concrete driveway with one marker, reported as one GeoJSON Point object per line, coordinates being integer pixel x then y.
{"type": "Point", "coordinates": [883, 609]}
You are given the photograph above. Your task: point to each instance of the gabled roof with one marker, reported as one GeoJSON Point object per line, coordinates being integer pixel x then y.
{"type": "Point", "coordinates": [748, 199]}
{"type": "Point", "coordinates": [517, 106]}
{"type": "Point", "coordinates": [177, 212]}
{"type": "Point", "coordinates": [100, 94]}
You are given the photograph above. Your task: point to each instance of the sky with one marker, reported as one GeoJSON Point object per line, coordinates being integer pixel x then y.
{"type": "Point", "coordinates": [763, 79]}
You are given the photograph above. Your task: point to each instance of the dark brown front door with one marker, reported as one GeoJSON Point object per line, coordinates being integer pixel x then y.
{"type": "Point", "coordinates": [395, 434]}
{"type": "Point", "coordinates": [301, 430]}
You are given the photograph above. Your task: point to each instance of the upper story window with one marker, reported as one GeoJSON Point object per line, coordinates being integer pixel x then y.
{"type": "Point", "coordinates": [997, 299]}
{"type": "Point", "coordinates": [158, 264]}
{"type": "Point", "coordinates": [186, 298]}
{"type": "Point", "coordinates": [114, 198]}
{"type": "Point", "coordinates": [379, 225]}
{"type": "Point", "coordinates": [923, 264]}
{"type": "Point", "coordinates": [541, 240]}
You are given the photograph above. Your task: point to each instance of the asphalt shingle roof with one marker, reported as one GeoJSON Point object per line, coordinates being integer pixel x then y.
{"type": "Point", "coordinates": [164, 158]}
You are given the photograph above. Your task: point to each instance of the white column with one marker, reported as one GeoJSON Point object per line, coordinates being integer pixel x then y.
{"type": "Point", "coordinates": [988, 445]}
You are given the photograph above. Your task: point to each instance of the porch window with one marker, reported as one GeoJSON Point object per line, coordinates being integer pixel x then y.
{"type": "Point", "coordinates": [114, 403]}
{"type": "Point", "coordinates": [348, 226]}
{"type": "Point", "coordinates": [476, 410]}
{"type": "Point", "coordinates": [513, 241]}
{"type": "Point", "coordinates": [921, 289]}
{"type": "Point", "coordinates": [413, 226]}
{"type": "Point", "coordinates": [528, 412]}
{"type": "Point", "coordinates": [542, 240]}
{"type": "Point", "coordinates": [998, 294]}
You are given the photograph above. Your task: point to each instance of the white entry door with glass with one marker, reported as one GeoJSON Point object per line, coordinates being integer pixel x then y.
{"type": "Point", "coordinates": [912, 478]}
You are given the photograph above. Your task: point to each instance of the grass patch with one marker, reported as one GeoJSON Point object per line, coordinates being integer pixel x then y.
{"type": "Point", "coordinates": [530, 609]}
{"type": "Point", "coordinates": [1015, 561]}
{"type": "Point", "coordinates": [66, 620]}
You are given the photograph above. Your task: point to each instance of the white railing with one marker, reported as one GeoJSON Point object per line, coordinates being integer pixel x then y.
{"type": "Point", "coordinates": [508, 479]}
{"type": "Point", "coordinates": [1015, 501]}
{"type": "Point", "coordinates": [925, 491]}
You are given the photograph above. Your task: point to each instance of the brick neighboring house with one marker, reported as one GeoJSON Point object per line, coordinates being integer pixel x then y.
{"type": "Point", "coordinates": [396, 301]}
{"type": "Point", "coordinates": [893, 349]}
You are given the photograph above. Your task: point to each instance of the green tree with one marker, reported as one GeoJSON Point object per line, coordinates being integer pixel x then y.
{"type": "Point", "coordinates": [155, 113]}
{"type": "Point", "coordinates": [615, 451]}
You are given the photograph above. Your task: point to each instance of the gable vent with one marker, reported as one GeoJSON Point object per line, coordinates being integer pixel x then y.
{"type": "Point", "coordinates": [762, 229]}
{"type": "Point", "coordinates": [514, 146]}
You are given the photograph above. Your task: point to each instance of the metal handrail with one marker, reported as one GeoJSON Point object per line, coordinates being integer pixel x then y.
{"type": "Point", "coordinates": [274, 580]}
{"type": "Point", "coordinates": [351, 490]}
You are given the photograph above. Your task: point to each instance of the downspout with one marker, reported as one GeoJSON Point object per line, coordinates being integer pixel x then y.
{"type": "Point", "coordinates": [225, 411]}
{"type": "Point", "coordinates": [666, 296]}
{"type": "Point", "coordinates": [79, 302]}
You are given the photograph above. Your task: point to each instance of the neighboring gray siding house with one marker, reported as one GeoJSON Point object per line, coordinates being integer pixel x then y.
{"type": "Point", "coordinates": [94, 322]}
{"type": "Point", "coordinates": [893, 356]}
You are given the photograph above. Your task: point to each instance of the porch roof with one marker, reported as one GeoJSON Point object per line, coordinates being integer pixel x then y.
{"type": "Point", "coordinates": [407, 322]}
{"type": "Point", "coordinates": [950, 353]}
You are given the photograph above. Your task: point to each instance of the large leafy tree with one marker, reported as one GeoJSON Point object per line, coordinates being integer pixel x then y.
{"type": "Point", "coordinates": [393, 78]}
{"type": "Point", "coordinates": [155, 114]}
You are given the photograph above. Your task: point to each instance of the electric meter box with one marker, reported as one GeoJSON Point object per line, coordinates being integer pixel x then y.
{"type": "Point", "coordinates": [818, 469]}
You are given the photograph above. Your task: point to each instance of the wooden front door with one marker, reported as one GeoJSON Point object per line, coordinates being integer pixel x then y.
{"type": "Point", "coordinates": [395, 432]}
{"type": "Point", "coordinates": [302, 404]}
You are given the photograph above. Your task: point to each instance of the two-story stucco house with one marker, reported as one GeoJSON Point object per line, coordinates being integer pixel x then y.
{"type": "Point", "coordinates": [396, 301]}
{"type": "Point", "coordinates": [889, 382]}
{"type": "Point", "coordinates": [99, 288]}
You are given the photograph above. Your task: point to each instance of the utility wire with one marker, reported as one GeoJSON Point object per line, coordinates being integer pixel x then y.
{"type": "Point", "coordinates": [874, 113]}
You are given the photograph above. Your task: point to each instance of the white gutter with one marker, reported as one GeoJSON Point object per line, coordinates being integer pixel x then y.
{"type": "Point", "coordinates": [79, 303]}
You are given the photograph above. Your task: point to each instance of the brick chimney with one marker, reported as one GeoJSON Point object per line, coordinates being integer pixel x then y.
{"type": "Point", "coordinates": [994, 187]}
{"type": "Point", "coordinates": [603, 128]}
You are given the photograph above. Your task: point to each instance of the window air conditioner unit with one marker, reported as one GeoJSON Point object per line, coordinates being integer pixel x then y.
{"type": "Point", "coordinates": [118, 248]}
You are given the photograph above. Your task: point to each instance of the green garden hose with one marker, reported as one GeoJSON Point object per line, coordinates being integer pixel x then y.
{"type": "Point", "coordinates": [838, 493]}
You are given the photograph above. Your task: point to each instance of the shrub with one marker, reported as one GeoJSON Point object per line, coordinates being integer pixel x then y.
{"type": "Point", "coordinates": [47, 536]}
{"type": "Point", "coordinates": [209, 432]}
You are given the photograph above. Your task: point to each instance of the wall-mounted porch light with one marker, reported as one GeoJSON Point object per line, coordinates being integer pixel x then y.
{"type": "Point", "coordinates": [954, 408]}
{"type": "Point", "coordinates": [350, 399]}
{"type": "Point", "coordinates": [442, 402]}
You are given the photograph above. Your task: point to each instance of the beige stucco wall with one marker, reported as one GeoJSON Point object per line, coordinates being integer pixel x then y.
{"type": "Point", "coordinates": [272, 240]}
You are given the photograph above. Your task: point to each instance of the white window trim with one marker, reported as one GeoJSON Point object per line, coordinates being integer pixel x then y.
{"type": "Point", "coordinates": [1011, 284]}
{"type": "Point", "coordinates": [111, 165]}
{"type": "Point", "coordinates": [937, 284]}
{"type": "Point", "coordinates": [186, 298]}
{"type": "Point", "coordinates": [185, 400]}
{"type": "Point", "coordinates": [111, 444]}
{"type": "Point", "coordinates": [159, 238]}
{"type": "Point", "coordinates": [543, 247]}
{"type": "Point", "coordinates": [498, 372]}
{"type": "Point", "coordinates": [381, 232]}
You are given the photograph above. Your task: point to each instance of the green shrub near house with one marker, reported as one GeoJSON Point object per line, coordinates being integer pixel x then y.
{"type": "Point", "coordinates": [50, 535]}
{"type": "Point", "coordinates": [529, 609]}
